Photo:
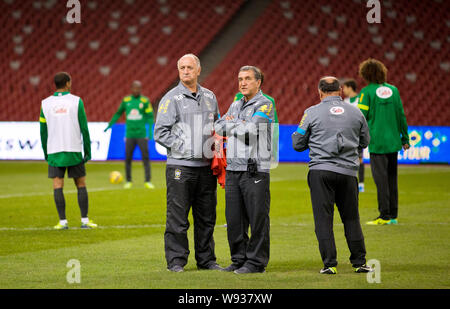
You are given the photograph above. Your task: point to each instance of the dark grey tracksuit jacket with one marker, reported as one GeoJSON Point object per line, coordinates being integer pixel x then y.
{"type": "Point", "coordinates": [184, 125]}
{"type": "Point", "coordinates": [333, 131]}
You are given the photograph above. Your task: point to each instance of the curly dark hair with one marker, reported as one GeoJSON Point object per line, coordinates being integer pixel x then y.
{"type": "Point", "coordinates": [373, 71]}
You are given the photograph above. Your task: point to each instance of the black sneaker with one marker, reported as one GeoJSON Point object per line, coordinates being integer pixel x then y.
{"type": "Point", "coordinates": [329, 271]}
{"type": "Point", "coordinates": [212, 266]}
{"type": "Point", "coordinates": [176, 269]}
{"type": "Point", "coordinates": [246, 270]}
{"type": "Point", "coordinates": [231, 268]}
{"type": "Point", "coordinates": [363, 269]}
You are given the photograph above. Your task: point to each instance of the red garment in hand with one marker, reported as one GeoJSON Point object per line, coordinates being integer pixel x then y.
{"type": "Point", "coordinates": [219, 161]}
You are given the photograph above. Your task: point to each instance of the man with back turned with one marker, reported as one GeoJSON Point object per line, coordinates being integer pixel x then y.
{"type": "Point", "coordinates": [334, 131]}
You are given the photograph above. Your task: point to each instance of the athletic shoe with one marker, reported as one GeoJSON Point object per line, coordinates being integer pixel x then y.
{"type": "Point", "coordinates": [231, 268]}
{"type": "Point", "coordinates": [361, 187]}
{"type": "Point", "coordinates": [176, 269]}
{"type": "Point", "coordinates": [246, 270]}
{"type": "Point", "coordinates": [329, 271]}
{"type": "Point", "coordinates": [378, 221]}
{"type": "Point", "coordinates": [393, 221]}
{"type": "Point", "coordinates": [128, 185]}
{"type": "Point", "coordinates": [89, 225]}
{"type": "Point", "coordinates": [213, 266]}
{"type": "Point", "coordinates": [60, 226]}
{"type": "Point", "coordinates": [149, 185]}
{"type": "Point", "coordinates": [363, 269]}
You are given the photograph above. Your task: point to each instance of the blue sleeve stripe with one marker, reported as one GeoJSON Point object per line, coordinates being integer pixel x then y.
{"type": "Point", "coordinates": [301, 131]}
{"type": "Point", "coordinates": [261, 114]}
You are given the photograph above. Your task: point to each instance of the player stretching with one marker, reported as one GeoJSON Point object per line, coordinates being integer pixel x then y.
{"type": "Point", "coordinates": [64, 132]}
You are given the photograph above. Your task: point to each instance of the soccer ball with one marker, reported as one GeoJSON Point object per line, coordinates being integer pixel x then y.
{"type": "Point", "coordinates": [115, 177]}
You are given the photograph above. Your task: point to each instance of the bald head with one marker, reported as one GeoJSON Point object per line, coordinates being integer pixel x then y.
{"type": "Point", "coordinates": [329, 86]}
{"type": "Point", "coordinates": [136, 87]}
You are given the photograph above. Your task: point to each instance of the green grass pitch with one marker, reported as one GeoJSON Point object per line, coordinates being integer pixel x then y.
{"type": "Point", "coordinates": [127, 251]}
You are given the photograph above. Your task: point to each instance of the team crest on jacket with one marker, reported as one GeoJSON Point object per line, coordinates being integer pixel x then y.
{"type": "Point", "coordinates": [384, 92]}
{"type": "Point", "coordinates": [337, 110]}
{"type": "Point", "coordinates": [177, 174]}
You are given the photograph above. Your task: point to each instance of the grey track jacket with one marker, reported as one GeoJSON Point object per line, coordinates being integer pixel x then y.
{"type": "Point", "coordinates": [184, 125]}
{"type": "Point", "coordinates": [249, 133]}
{"type": "Point", "coordinates": [333, 131]}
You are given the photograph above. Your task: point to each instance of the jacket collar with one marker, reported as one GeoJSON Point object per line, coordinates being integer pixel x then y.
{"type": "Point", "coordinates": [58, 93]}
{"type": "Point", "coordinates": [186, 92]}
{"type": "Point", "coordinates": [333, 98]}
{"type": "Point", "coordinates": [253, 100]}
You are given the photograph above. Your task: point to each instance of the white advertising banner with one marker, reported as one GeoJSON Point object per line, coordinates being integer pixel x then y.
{"type": "Point", "coordinates": [22, 141]}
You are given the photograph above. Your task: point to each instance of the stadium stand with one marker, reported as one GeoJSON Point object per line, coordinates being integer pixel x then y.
{"type": "Point", "coordinates": [297, 42]}
{"type": "Point", "coordinates": [294, 42]}
{"type": "Point", "coordinates": [116, 43]}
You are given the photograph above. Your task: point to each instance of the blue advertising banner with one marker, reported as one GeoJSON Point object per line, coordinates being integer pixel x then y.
{"type": "Point", "coordinates": [117, 146]}
{"type": "Point", "coordinates": [428, 145]}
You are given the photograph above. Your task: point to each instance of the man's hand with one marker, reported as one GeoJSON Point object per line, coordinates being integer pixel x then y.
{"type": "Point", "coordinates": [405, 147]}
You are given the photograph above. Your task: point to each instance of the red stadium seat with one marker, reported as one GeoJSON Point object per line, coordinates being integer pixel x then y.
{"type": "Point", "coordinates": [293, 70]}
{"type": "Point", "coordinates": [101, 76]}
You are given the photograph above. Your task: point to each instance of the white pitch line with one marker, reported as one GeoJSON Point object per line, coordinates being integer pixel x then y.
{"type": "Point", "coordinates": [105, 227]}
{"type": "Point", "coordinates": [147, 226]}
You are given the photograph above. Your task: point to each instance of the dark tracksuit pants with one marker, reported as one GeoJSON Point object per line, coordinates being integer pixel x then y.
{"type": "Point", "coordinates": [361, 168]}
{"type": "Point", "coordinates": [247, 204]}
{"type": "Point", "coordinates": [130, 145]}
{"type": "Point", "coordinates": [384, 173]}
{"type": "Point", "coordinates": [188, 187]}
{"type": "Point", "coordinates": [328, 188]}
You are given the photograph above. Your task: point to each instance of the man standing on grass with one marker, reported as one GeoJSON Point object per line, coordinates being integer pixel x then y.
{"type": "Point", "coordinates": [64, 135]}
{"type": "Point", "coordinates": [139, 112]}
{"type": "Point", "coordinates": [382, 106]}
{"type": "Point", "coordinates": [248, 127]}
{"type": "Point", "coordinates": [184, 125]}
{"type": "Point", "coordinates": [334, 131]}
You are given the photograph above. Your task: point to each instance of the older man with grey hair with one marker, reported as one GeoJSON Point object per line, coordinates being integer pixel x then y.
{"type": "Point", "coordinates": [184, 124]}
{"type": "Point", "coordinates": [334, 131]}
{"type": "Point", "coordinates": [247, 124]}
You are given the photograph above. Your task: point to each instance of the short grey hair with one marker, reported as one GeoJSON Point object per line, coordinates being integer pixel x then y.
{"type": "Point", "coordinates": [256, 71]}
{"type": "Point", "coordinates": [192, 56]}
